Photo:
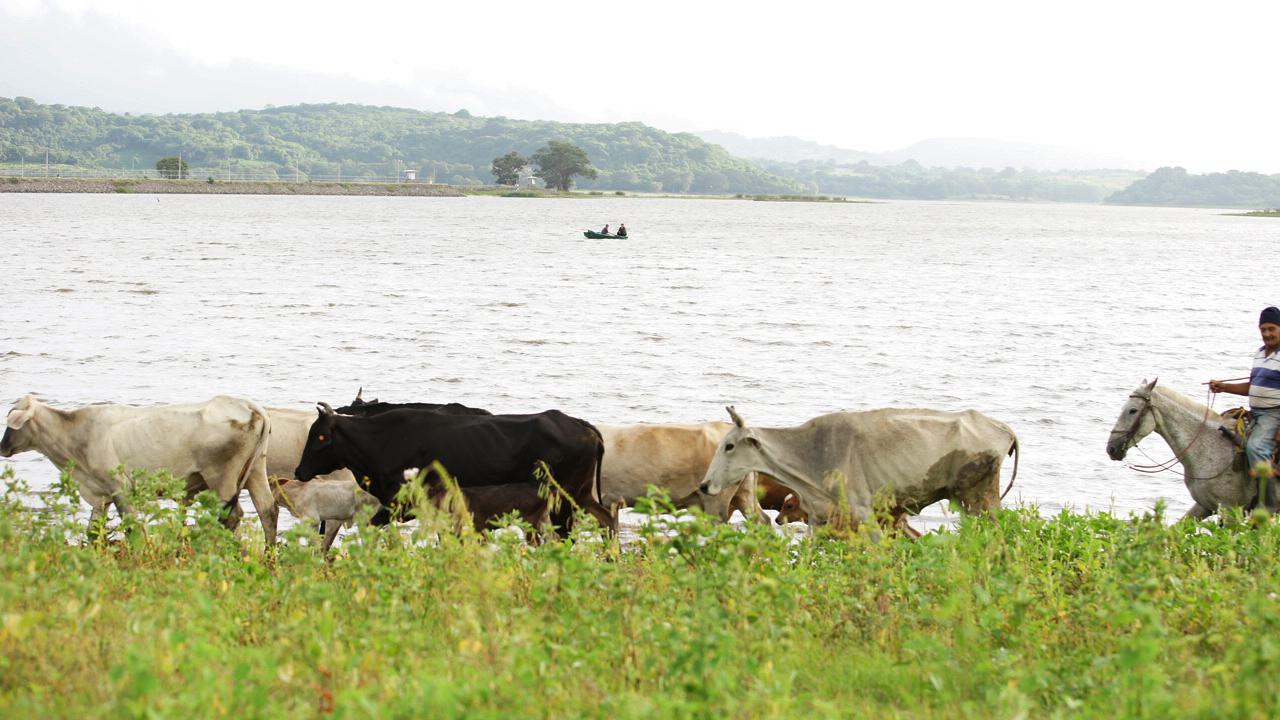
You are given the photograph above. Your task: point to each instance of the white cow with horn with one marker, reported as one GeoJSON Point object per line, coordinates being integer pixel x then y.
{"type": "Point", "coordinates": [887, 459]}
{"type": "Point", "coordinates": [220, 445]}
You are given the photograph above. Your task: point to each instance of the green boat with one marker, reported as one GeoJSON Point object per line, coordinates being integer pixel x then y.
{"type": "Point", "coordinates": [593, 235]}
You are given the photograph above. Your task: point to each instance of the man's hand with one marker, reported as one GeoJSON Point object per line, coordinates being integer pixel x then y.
{"type": "Point", "coordinates": [1218, 386]}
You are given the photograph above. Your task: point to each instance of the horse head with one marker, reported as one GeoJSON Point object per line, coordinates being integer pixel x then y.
{"type": "Point", "coordinates": [1135, 423]}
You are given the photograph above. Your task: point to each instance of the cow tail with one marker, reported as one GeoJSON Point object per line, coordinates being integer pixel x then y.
{"type": "Point", "coordinates": [599, 462]}
{"type": "Point", "coordinates": [259, 447]}
{"type": "Point", "coordinates": [1016, 452]}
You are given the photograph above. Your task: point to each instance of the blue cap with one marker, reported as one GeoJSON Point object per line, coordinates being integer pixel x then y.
{"type": "Point", "coordinates": [1270, 315]}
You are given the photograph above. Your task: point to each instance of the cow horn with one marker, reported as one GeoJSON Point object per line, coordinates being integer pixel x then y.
{"type": "Point", "coordinates": [325, 408]}
{"type": "Point", "coordinates": [737, 419]}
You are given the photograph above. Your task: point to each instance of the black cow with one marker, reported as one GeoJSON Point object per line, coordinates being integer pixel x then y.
{"type": "Point", "coordinates": [366, 408]}
{"type": "Point", "coordinates": [476, 450]}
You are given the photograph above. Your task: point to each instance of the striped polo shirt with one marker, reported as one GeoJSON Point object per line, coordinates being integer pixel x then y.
{"type": "Point", "coordinates": [1264, 380]}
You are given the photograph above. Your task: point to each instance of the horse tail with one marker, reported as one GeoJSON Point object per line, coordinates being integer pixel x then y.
{"type": "Point", "coordinates": [1016, 452]}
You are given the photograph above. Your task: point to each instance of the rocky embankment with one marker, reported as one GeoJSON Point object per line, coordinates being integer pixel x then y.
{"type": "Point", "coordinates": [204, 187]}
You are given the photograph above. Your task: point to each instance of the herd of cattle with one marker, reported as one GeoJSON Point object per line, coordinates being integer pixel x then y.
{"type": "Point", "coordinates": [326, 466]}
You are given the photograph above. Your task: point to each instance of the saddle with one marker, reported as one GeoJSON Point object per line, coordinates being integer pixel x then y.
{"type": "Point", "coordinates": [1237, 428]}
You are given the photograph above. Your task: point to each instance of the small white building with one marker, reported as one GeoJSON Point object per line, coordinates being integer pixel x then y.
{"type": "Point", "coordinates": [410, 175]}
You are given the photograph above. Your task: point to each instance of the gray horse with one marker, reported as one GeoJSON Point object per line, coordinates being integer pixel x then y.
{"type": "Point", "coordinates": [1191, 429]}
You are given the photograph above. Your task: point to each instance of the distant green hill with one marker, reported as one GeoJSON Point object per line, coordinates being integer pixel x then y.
{"type": "Point", "coordinates": [912, 180]}
{"type": "Point", "coordinates": [786, 148]}
{"type": "Point", "coordinates": [1175, 187]}
{"type": "Point", "coordinates": [353, 141]}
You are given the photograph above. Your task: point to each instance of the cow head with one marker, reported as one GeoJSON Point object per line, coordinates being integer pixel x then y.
{"type": "Point", "coordinates": [791, 511]}
{"type": "Point", "coordinates": [17, 439]}
{"type": "Point", "coordinates": [739, 454]}
{"type": "Point", "coordinates": [320, 455]}
{"type": "Point", "coordinates": [1135, 423]}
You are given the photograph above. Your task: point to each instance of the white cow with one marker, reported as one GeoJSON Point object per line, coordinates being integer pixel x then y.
{"type": "Point", "coordinates": [220, 445]}
{"type": "Point", "coordinates": [892, 459]}
{"type": "Point", "coordinates": [329, 504]}
{"type": "Point", "coordinates": [674, 458]}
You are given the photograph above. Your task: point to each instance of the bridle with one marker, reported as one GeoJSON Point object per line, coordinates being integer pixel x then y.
{"type": "Point", "coordinates": [1137, 420]}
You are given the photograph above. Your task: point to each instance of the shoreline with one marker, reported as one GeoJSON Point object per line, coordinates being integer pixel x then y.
{"type": "Point", "coordinates": [204, 187]}
{"type": "Point", "coordinates": [155, 186]}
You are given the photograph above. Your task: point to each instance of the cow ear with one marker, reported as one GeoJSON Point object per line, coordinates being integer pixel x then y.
{"type": "Point", "coordinates": [21, 413]}
{"type": "Point", "coordinates": [737, 419]}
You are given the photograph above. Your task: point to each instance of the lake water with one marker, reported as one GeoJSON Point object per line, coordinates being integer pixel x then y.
{"type": "Point", "coordinates": [1043, 316]}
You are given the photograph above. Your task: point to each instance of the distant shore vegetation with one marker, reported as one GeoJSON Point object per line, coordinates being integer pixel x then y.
{"type": "Point", "coordinates": [343, 143]}
{"type": "Point", "coordinates": [1175, 187]}
{"type": "Point", "coordinates": [346, 142]}
{"type": "Point", "coordinates": [1268, 212]}
{"type": "Point", "coordinates": [912, 181]}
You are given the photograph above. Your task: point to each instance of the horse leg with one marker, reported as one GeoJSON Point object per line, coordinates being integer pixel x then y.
{"type": "Point", "coordinates": [1197, 512]}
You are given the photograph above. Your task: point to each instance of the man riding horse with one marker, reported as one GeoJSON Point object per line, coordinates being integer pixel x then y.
{"type": "Point", "coordinates": [1263, 390]}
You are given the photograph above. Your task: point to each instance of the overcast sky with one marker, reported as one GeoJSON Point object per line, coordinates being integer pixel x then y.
{"type": "Point", "coordinates": [1149, 83]}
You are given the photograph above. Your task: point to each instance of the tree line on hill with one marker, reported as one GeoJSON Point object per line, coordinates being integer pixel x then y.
{"type": "Point", "coordinates": [351, 142]}
{"type": "Point", "coordinates": [911, 180]}
{"type": "Point", "coordinates": [1175, 187]}
{"type": "Point", "coordinates": [354, 141]}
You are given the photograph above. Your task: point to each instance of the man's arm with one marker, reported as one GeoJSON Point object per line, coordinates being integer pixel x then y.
{"type": "Point", "coordinates": [1218, 386]}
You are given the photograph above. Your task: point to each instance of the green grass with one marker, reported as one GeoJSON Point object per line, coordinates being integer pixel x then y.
{"type": "Point", "coordinates": [1075, 616]}
{"type": "Point", "coordinates": [1269, 212]}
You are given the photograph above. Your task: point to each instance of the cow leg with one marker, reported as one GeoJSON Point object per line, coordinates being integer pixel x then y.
{"type": "Point", "coordinates": [901, 525]}
{"type": "Point", "coordinates": [97, 515]}
{"type": "Point", "coordinates": [330, 534]}
{"type": "Point", "coordinates": [263, 500]}
{"type": "Point", "coordinates": [382, 517]}
{"type": "Point", "coordinates": [228, 499]}
{"type": "Point", "coordinates": [544, 530]}
{"type": "Point", "coordinates": [746, 502]}
{"type": "Point", "coordinates": [860, 512]}
{"type": "Point", "coordinates": [234, 514]}
{"type": "Point", "coordinates": [122, 504]}
{"type": "Point", "coordinates": [607, 520]}
{"type": "Point", "coordinates": [120, 483]}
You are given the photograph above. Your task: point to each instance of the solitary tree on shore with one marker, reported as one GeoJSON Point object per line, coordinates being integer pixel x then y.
{"type": "Point", "coordinates": [559, 162]}
{"type": "Point", "coordinates": [172, 168]}
{"type": "Point", "coordinates": [508, 168]}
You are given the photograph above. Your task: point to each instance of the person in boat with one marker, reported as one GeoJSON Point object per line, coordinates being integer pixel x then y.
{"type": "Point", "coordinates": [1263, 391]}
{"type": "Point", "coordinates": [605, 231]}
{"type": "Point", "coordinates": [622, 229]}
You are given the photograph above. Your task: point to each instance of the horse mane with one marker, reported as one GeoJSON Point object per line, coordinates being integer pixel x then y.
{"type": "Point", "coordinates": [1191, 406]}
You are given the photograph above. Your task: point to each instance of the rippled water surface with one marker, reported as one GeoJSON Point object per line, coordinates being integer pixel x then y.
{"type": "Point", "coordinates": [1043, 316]}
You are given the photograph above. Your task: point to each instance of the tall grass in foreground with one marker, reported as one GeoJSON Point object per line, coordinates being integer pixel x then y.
{"type": "Point", "coordinates": [1075, 616]}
